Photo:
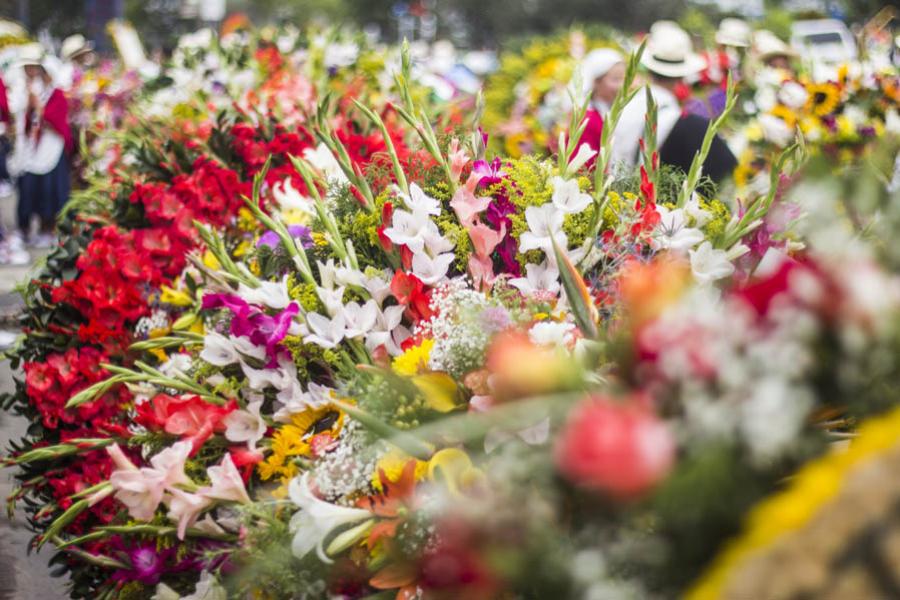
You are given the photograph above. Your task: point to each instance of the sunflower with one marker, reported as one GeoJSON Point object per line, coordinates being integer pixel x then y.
{"type": "Point", "coordinates": [823, 98]}
{"type": "Point", "coordinates": [785, 114]}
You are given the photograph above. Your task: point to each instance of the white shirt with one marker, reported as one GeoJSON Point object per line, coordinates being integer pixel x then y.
{"type": "Point", "coordinates": [630, 129]}
{"type": "Point", "coordinates": [38, 156]}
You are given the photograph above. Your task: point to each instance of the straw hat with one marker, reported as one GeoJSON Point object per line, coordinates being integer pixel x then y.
{"type": "Point", "coordinates": [30, 55]}
{"type": "Point", "coordinates": [733, 32]}
{"type": "Point", "coordinates": [74, 46]}
{"type": "Point", "coordinates": [596, 64]}
{"type": "Point", "coordinates": [768, 45]}
{"type": "Point", "coordinates": [670, 53]}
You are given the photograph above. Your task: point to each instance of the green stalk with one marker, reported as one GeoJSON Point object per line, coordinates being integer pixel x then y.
{"type": "Point", "coordinates": [395, 160]}
{"type": "Point", "coordinates": [410, 444]}
{"type": "Point", "coordinates": [694, 173]}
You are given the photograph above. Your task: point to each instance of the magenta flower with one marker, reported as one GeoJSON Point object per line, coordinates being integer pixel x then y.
{"type": "Point", "coordinates": [271, 239]}
{"type": "Point", "coordinates": [253, 322]}
{"type": "Point", "coordinates": [490, 173]}
{"type": "Point", "coordinates": [148, 563]}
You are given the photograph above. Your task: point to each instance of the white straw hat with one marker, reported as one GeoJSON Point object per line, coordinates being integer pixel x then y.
{"type": "Point", "coordinates": [766, 45]}
{"type": "Point", "coordinates": [670, 53]}
{"type": "Point", "coordinates": [733, 32]}
{"type": "Point", "coordinates": [30, 55]}
{"type": "Point", "coordinates": [595, 65]}
{"type": "Point", "coordinates": [75, 45]}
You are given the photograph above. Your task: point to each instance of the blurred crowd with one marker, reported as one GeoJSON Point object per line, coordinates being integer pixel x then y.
{"type": "Point", "coordinates": [48, 103]}
{"type": "Point", "coordinates": [689, 88]}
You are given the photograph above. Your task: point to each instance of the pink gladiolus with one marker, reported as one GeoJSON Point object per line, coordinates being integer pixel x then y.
{"type": "Point", "coordinates": [485, 239]}
{"type": "Point", "coordinates": [227, 483]}
{"type": "Point", "coordinates": [458, 160]}
{"type": "Point", "coordinates": [482, 270]}
{"type": "Point", "coordinates": [466, 205]}
{"type": "Point", "coordinates": [619, 448]}
{"type": "Point", "coordinates": [141, 490]}
{"type": "Point", "coordinates": [185, 508]}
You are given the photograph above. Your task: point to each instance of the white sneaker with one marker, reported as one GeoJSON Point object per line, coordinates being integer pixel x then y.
{"type": "Point", "coordinates": [18, 257]}
{"type": "Point", "coordinates": [7, 339]}
{"type": "Point", "coordinates": [44, 240]}
{"type": "Point", "coordinates": [15, 241]}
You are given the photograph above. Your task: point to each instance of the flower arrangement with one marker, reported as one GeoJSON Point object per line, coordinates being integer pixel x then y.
{"type": "Point", "coordinates": [360, 355]}
{"type": "Point", "coordinates": [841, 118]}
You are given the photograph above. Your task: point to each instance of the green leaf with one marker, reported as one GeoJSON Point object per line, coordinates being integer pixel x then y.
{"type": "Point", "coordinates": [578, 294]}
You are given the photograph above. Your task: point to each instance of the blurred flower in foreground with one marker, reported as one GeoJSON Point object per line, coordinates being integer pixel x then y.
{"type": "Point", "coordinates": [617, 447]}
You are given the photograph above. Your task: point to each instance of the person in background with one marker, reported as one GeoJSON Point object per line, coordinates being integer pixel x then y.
{"type": "Point", "coordinates": [668, 59]}
{"type": "Point", "coordinates": [602, 76]}
{"type": "Point", "coordinates": [772, 53]}
{"type": "Point", "coordinates": [12, 251]}
{"type": "Point", "coordinates": [733, 40]}
{"type": "Point", "coordinates": [43, 141]}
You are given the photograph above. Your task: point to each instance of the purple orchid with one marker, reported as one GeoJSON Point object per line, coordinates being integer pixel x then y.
{"type": "Point", "coordinates": [149, 564]}
{"type": "Point", "coordinates": [271, 239]}
{"type": "Point", "coordinates": [251, 321]}
{"type": "Point", "coordinates": [490, 173]}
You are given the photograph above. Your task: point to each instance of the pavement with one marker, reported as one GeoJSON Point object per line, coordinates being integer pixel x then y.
{"type": "Point", "coordinates": [23, 576]}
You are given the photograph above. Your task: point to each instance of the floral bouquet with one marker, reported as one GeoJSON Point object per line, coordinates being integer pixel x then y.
{"type": "Point", "coordinates": [341, 364]}
{"type": "Point", "coordinates": [841, 119]}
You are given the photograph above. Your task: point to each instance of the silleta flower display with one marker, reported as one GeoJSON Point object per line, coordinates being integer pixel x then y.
{"type": "Point", "coordinates": [296, 345]}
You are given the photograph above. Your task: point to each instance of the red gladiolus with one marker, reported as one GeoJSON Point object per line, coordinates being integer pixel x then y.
{"type": "Point", "coordinates": [410, 291]}
{"type": "Point", "coordinates": [189, 417]}
{"type": "Point", "coordinates": [387, 218]}
{"type": "Point", "coordinates": [620, 448]}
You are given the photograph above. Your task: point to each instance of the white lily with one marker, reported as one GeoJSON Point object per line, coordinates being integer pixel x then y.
{"type": "Point", "coordinates": [568, 197]}
{"type": "Point", "coordinates": [273, 294]}
{"type": "Point", "coordinates": [419, 202]}
{"type": "Point", "coordinates": [260, 379]}
{"type": "Point", "coordinates": [288, 198]}
{"type": "Point", "coordinates": [379, 288]}
{"type": "Point", "coordinates": [177, 364]}
{"type": "Point", "coordinates": [409, 229]}
{"type": "Point", "coordinates": [325, 332]}
{"type": "Point", "coordinates": [245, 347]}
{"type": "Point", "coordinates": [333, 299]}
{"type": "Point", "coordinates": [246, 425]}
{"type": "Point", "coordinates": [360, 319]}
{"type": "Point", "coordinates": [693, 209]}
{"type": "Point", "coordinates": [294, 400]}
{"type": "Point", "coordinates": [545, 224]}
{"type": "Point", "coordinates": [218, 350]}
{"type": "Point", "coordinates": [431, 270]}
{"type": "Point", "coordinates": [388, 331]}
{"type": "Point", "coordinates": [550, 333]}
{"type": "Point", "coordinates": [672, 233]}
{"type": "Point", "coordinates": [542, 277]}
{"type": "Point", "coordinates": [324, 161]}
{"type": "Point", "coordinates": [708, 264]}
{"type": "Point", "coordinates": [316, 519]}
{"type": "Point", "coordinates": [584, 154]}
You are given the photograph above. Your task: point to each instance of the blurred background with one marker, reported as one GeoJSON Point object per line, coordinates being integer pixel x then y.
{"type": "Point", "coordinates": [467, 23]}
